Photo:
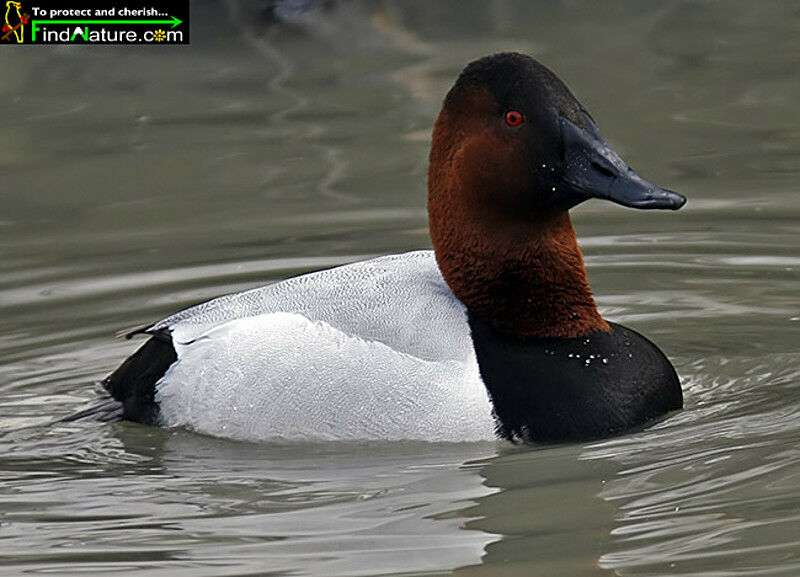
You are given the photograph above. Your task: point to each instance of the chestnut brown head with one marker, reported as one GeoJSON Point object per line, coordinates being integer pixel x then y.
{"type": "Point", "coordinates": [511, 125]}
{"type": "Point", "coordinates": [512, 151]}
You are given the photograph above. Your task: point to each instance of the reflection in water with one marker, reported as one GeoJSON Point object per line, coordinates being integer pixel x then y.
{"type": "Point", "coordinates": [330, 509]}
{"type": "Point", "coordinates": [709, 487]}
{"type": "Point", "coordinates": [548, 509]}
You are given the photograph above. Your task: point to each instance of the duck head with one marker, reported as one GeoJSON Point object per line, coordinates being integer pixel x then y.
{"type": "Point", "coordinates": [512, 151]}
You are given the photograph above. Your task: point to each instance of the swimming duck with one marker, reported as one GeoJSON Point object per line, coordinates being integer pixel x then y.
{"type": "Point", "coordinates": [493, 334]}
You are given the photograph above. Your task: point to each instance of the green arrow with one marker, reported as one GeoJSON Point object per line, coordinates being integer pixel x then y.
{"type": "Point", "coordinates": [174, 21]}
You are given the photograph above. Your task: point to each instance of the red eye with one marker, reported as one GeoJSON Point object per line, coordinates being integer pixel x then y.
{"type": "Point", "coordinates": [514, 118]}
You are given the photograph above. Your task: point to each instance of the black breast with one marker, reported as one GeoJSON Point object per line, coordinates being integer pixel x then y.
{"type": "Point", "coordinates": [560, 389]}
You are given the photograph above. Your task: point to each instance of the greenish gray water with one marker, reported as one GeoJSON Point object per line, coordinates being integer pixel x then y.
{"type": "Point", "coordinates": [139, 181]}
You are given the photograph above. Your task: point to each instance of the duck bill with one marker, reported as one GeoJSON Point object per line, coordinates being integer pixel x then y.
{"type": "Point", "coordinates": [593, 170]}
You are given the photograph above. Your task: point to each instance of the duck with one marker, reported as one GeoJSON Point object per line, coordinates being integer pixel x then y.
{"type": "Point", "coordinates": [492, 335]}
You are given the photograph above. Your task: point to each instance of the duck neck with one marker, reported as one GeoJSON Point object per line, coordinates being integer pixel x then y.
{"type": "Point", "coordinates": [524, 279]}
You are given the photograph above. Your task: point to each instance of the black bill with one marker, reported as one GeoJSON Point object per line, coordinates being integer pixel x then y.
{"type": "Point", "coordinates": [594, 170]}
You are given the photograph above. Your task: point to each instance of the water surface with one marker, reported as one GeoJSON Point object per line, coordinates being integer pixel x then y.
{"type": "Point", "coordinates": [137, 181]}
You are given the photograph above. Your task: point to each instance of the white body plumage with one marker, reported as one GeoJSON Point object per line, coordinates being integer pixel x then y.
{"type": "Point", "coordinates": [378, 349]}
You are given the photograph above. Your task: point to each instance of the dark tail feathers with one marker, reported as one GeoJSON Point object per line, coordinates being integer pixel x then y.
{"type": "Point", "coordinates": [129, 392]}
